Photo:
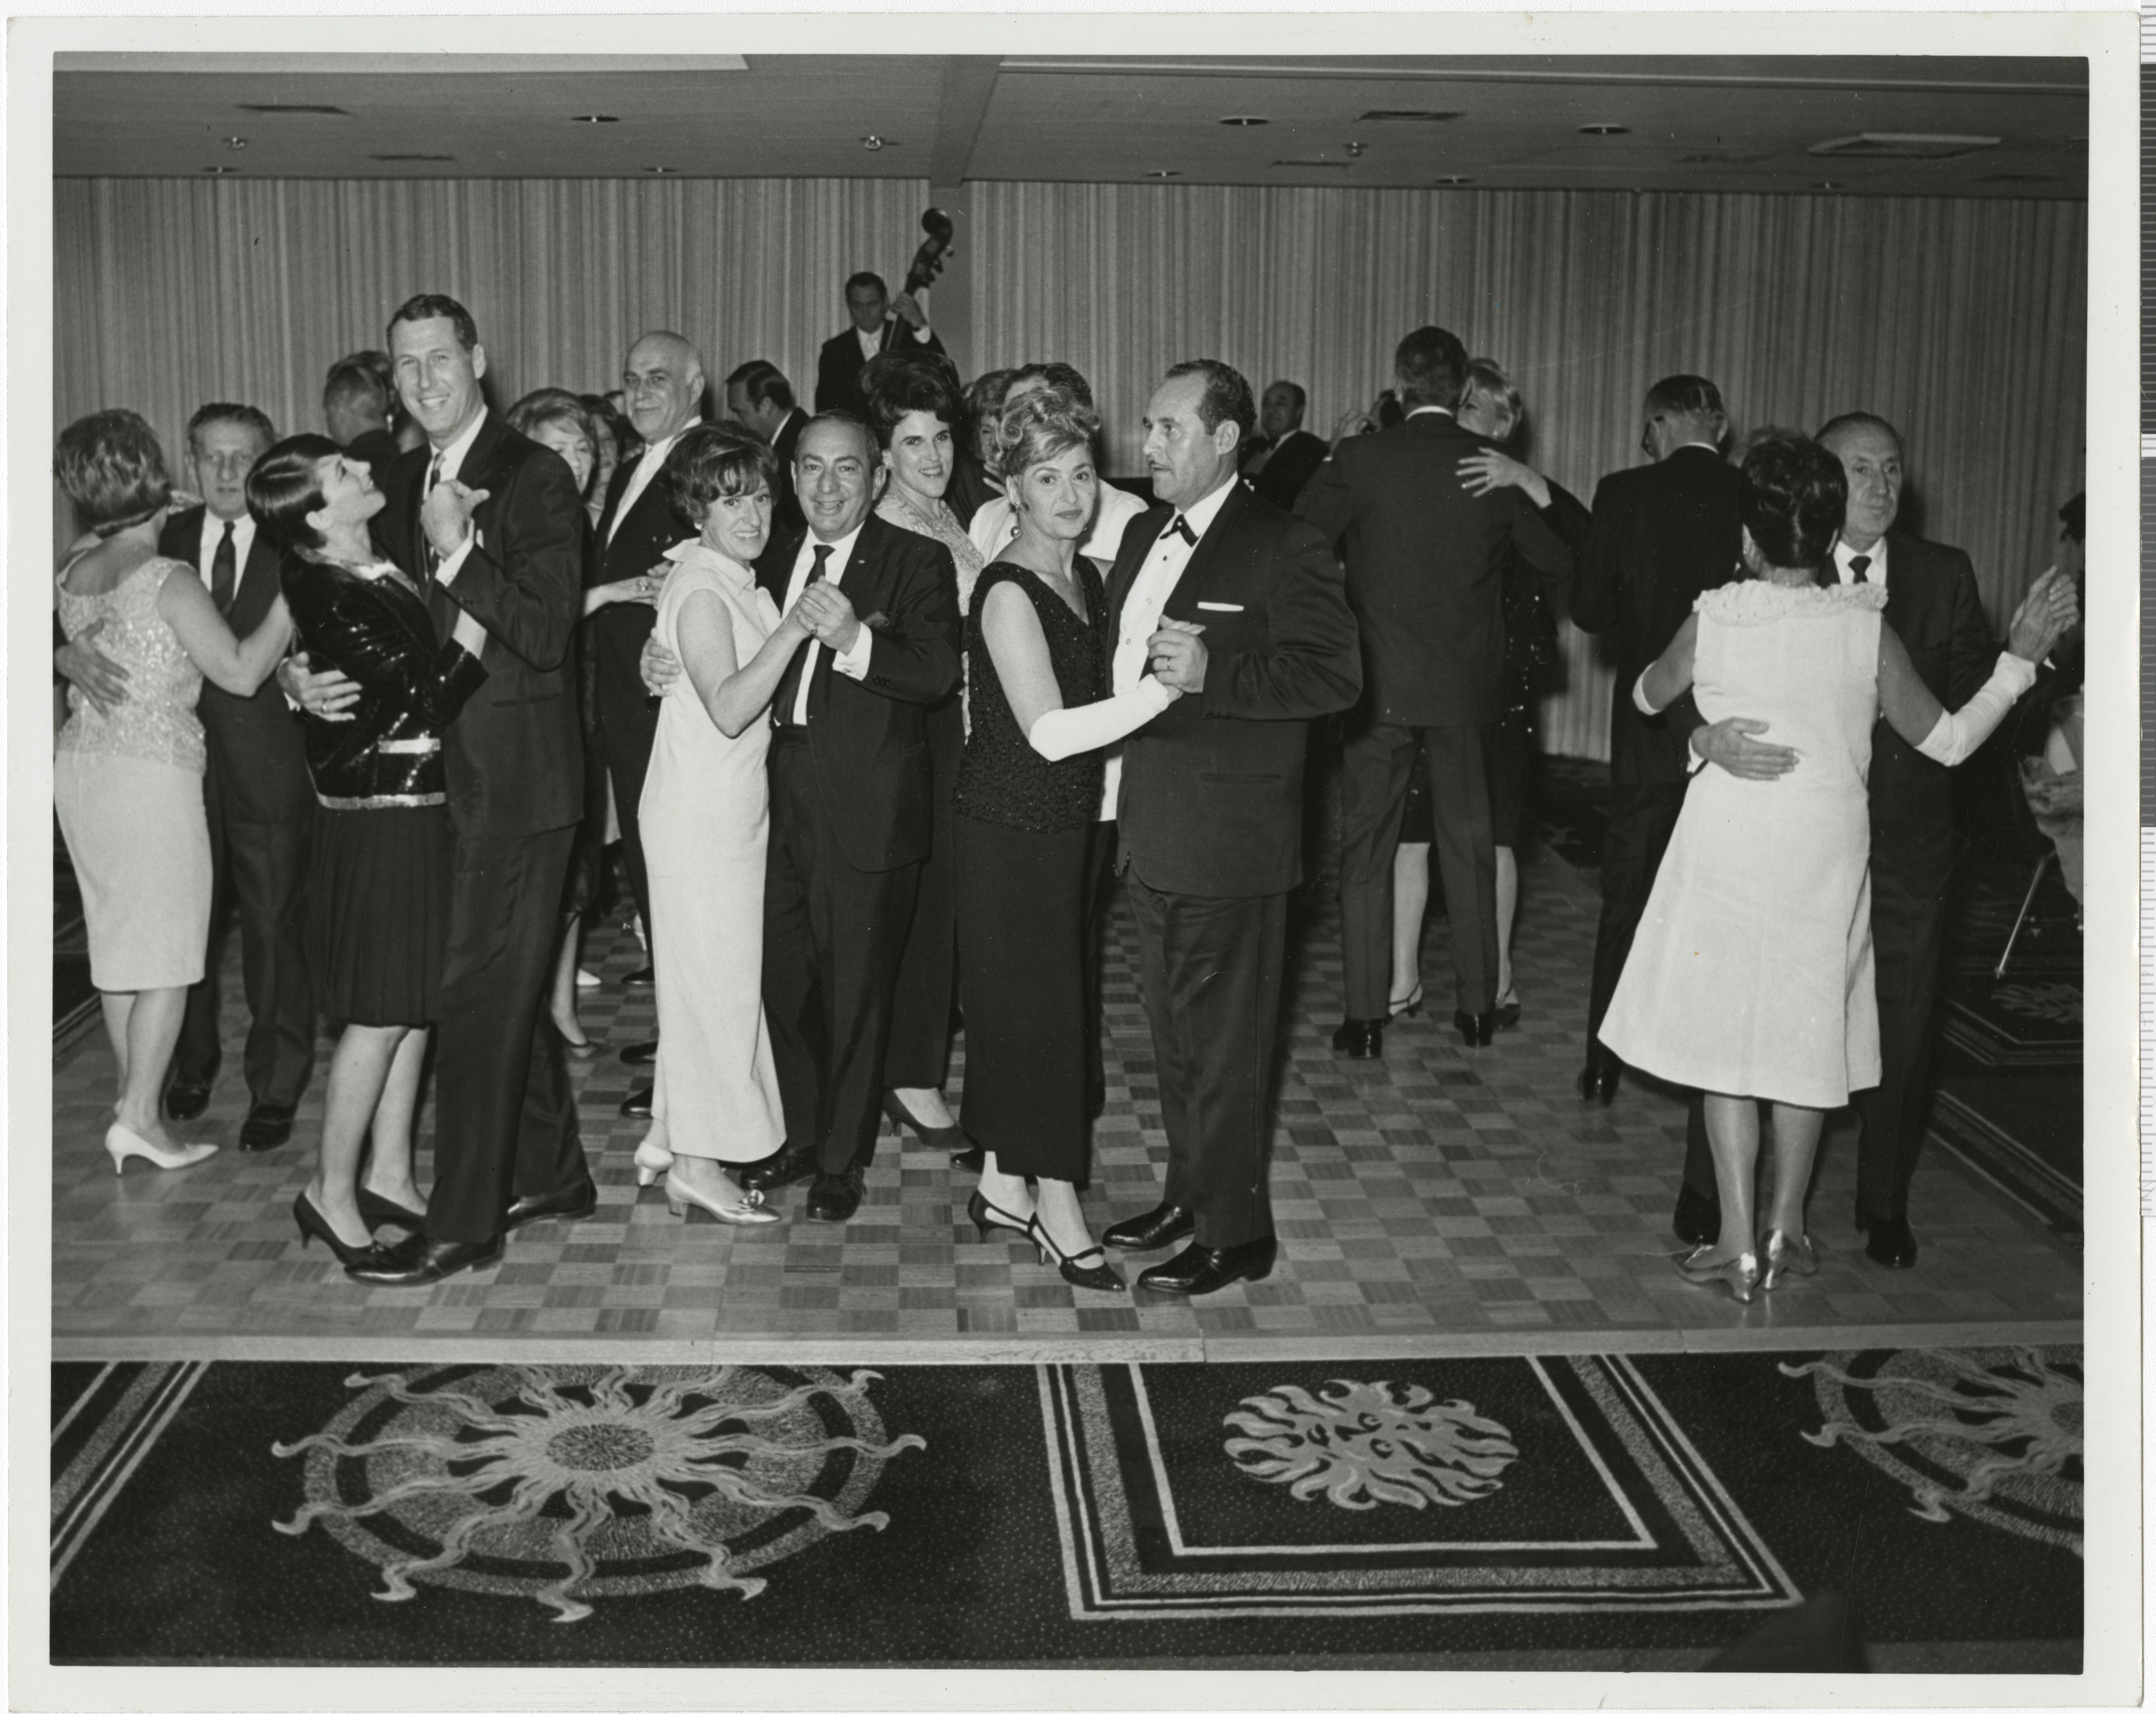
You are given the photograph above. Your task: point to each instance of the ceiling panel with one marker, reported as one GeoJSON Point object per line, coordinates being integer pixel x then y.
{"type": "Point", "coordinates": [1698, 124]}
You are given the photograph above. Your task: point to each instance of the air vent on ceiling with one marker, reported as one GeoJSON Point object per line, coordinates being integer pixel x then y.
{"type": "Point", "coordinates": [1722, 160]}
{"type": "Point", "coordinates": [1903, 146]}
{"type": "Point", "coordinates": [292, 107]}
{"type": "Point", "coordinates": [1342, 166]}
{"type": "Point", "coordinates": [1409, 116]}
{"type": "Point", "coordinates": [411, 158]}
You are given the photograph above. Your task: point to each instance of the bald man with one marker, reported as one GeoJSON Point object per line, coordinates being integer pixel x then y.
{"type": "Point", "coordinates": [662, 381]}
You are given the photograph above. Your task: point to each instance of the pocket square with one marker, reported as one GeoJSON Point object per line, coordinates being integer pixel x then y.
{"type": "Point", "coordinates": [1220, 607]}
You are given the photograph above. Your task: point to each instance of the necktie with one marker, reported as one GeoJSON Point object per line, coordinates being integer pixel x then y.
{"type": "Point", "coordinates": [789, 685]}
{"type": "Point", "coordinates": [426, 541]}
{"type": "Point", "coordinates": [1181, 527]}
{"type": "Point", "coordinates": [1859, 564]}
{"type": "Point", "coordinates": [224, 570]}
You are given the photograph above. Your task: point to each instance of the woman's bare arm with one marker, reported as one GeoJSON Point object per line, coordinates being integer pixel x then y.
{"type": "Point", "coordinates": [733, 696]}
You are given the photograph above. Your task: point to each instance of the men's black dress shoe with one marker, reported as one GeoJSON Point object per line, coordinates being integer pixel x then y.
{"type": "Point", "coordinates": [416, 1262]}
{"type": "Point", "coordinates": [790, 1166]}
{"type": "Point", "coordinates": [1698, 1218]}
{"type": "Point", "coordinates": [834, 1196]}
{"type": "Point", "coordinates": [1475, 1028]}
{"type": "Point", "coordinates": [638, 1103]}
{"type": "Point", "coordinates": [640, 978]}
{"type": "Point", "coordinates": [1361, 1039]}
{"type": "Point", "coordinates": [1888, 1240]}
{"type": "Point", "coordinates": [639, 1053]}
{"type": "Point", "coordinates": [1201, 1269]}
{"type": "Point", "coordinates": [1165, 1224]}
{"type": "Point", "coordinates": [1598, 1083]}
{"type": "Point", "coordinates": [579, 1202]}
{"type": "Point", "coordinates": [266, 1127]}
{"type": "Point", "coordinates": [187, 1100]}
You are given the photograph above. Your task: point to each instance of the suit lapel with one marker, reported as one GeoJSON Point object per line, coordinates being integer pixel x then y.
{"type": "Point", "coordinates": [1209, 557]}
{"type": "Point", "coordinates": [1140, 535]}
{"type": "Point", "coordinates": [617, 485]}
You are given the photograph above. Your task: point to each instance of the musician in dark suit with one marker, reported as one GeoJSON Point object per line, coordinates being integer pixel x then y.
{"type": "Point", "coordinates": [1662, 535]}
{"type": "Point", "coordinates": [852, 801]}
{"type": "Point", "coordinates": [261, 801]}
{"type": "Point", "coordinates": [1238, 605]}
{"type": "Point", "coordinates": [1933, 606]}
{"type": "Point", "coordinates": [1287, 455]}
{"type": "Point", "coordinates": [488, 524]}
{"type": "Point", "coordinates": [879, 323]}
{"type": "Point", "coordinates": [761, 399]}
{"type": "Point", "coordinates": [1426, 561]}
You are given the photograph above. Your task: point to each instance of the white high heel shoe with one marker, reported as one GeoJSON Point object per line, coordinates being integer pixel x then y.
{"type": "Point", "coordinates": [653, 1162]}
{"type": "Point", "coordinates": [750, 1212]}
{"type": "Point", "coordinates": [120, 1142]}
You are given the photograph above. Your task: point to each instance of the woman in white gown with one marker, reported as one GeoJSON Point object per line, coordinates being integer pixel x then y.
{"type": "Point", "coordinates": [706, 812]}
{"type": "Point", "coordinates": [1751, 977]}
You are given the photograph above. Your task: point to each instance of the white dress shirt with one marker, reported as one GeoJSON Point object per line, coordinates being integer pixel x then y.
{"type": "Point", "coordinates": [872, 344]}
{"type": "Point", "coordinates": [1873, 572]}
{"type": "Point", "coordinates": [854, 663]}
{"type": "Point", "coordinates": [647, 466]}
{"type": "Point", "coordinates": [447, 461]}
{"type": "Point", "coordinates": [1155, 582]}
{"type": "Point", "coordinates": [1419, 409]}
{"type": "Point", "coordinates": [243, 543]}
{"type": "Point", "coordinates": [994, 527]}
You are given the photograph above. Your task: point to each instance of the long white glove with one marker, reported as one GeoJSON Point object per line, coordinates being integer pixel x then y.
{"type": "Point", "coordinates": [1090, 726]}
{"type": "Point", "coordinates": [1960, 734]}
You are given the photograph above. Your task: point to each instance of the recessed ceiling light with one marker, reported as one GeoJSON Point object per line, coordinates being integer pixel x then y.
{"type": "Point", "coordinates": [595, 119]}
{"type": "Point", "coordinates": [662, 169]}
{"type": "Point", "coordinates": [235, 144]}
{"type": "Point", "coordinates": [220, 172]}
{"type": "Point", "coordinates": [872, 143]}
{"type": "Point", "coordinates": [1604, 131]}
{"type": "Point", "coordinates": [1830, 184]}
{"type": "Point", "coordinates": [1452, 178]}
{"type": "Point", "coordinates": [1245, 119]}
{"type": "Point", "coordinates": [1163, 172]}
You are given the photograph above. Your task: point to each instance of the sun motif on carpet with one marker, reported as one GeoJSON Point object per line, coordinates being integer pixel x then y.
{"type": "Point", "coordinates": [1993, 1435]}
{"type": "Point", "coordinates": [1363, 1442]}
{"type": "Point", "coordinates": [564, 1484]}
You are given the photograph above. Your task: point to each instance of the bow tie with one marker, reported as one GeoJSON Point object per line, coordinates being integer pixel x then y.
{"type": "Point", "coordinates": [1181, 527]}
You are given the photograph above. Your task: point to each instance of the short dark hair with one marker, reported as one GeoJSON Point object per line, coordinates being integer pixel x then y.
{"type": "Point", "coordinates": [1791, 495]}
{"type": "Point", "coordinates": [865, 278]}
{"type": "Point", "coordinates": [1686, 395]}
{"type": "Point", "coordinates": [847, 419]}
{"type": "Point", "coordinates": [1301, 398]}
{"type": "Point", "coordinates": [285, 485]}
{"type": "Point", "coordinates": [429, 304]}
{"type": "Point", "coordinates": [712, 460]}
{"type": "Point", "coordinates": [1036, 427]}
{"type": "Point", "coordinates": [363, 374]}
{"type": "Point", "coordinates": [112, 470]}
{"type": "Point", "coordinates": [246, 416]}
{"type": "Point", "coordinates": [1431, 367]}
{"type": "Point", "coordinates": [897, 386]}
{"type": "Point", "coordinates": [1861, 420]}
{"type": "Point", "coordinates": [1227, 396]}
{"type": "Point", "coordinates": [761, 379]}
{"type": "Point", "coordinates": [1061, 375]}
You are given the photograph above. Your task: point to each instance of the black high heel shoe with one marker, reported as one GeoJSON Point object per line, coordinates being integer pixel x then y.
{"type": "Point", "coordinates": [312, 1225]}
{"type": "Point", "coordinates": [1100, 1277]}
{"type": "Point", "coordinates": [1411, 1007]}
{"type": "Point", "coordinates": [985, 1214]}
{"type": "Point", "coordinates": [1476, 1027]}
{"type": "Point", "coordinates": [380, 1211]}
{"type": "Point", "coordinates": [943, 1136]}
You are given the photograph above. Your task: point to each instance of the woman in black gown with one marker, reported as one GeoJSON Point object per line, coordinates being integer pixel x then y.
{"type": "Point", "coordinates": [1030, 836]}
{"type": "Point", "coordinates": [379, 869]}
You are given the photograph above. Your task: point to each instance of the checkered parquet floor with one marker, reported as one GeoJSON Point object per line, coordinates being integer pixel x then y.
{"type": "Point", "coordinates": [1437, 1200]}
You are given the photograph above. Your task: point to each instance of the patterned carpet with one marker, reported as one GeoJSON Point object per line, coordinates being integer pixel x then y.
{"type": "Point", "coordinates": [1586, 1510]}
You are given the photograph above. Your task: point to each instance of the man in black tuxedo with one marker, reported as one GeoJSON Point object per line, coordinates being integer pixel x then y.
{"type": "Point", "coordinates": [1426, 561]}
{"type": "Point", "coordinates": [879, 324]}
{"type": "Point", "coordinates": [761, 399]}
{"type": "Point", "coordinates": [1933, 606]}
{"type": "Point", "coordinates": [1239, 606]}
{"type": "Point", "coordinates": [489, 523]}
{"type": "Point", "coordinates": [851, 802]}
{"type": "Point", "coordinates": [662, 381]}
{"type": "Point", "coordinates": [1663, 534]}
{"type": "Point", "coordinates": [1287, 455]}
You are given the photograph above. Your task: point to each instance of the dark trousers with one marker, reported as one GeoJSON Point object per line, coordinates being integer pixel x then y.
{"type": "Point", "coordinates": [833, 935]}
{"type": "Point", "coordinates": [504, 1115]}
{"type": "Point", "coordinates": [262, 867]}
{"type": "Point", "coordinates": [1642, 816]}
{"type": "Point", "coordinates": [629, 721]}
{"type": "Point", "coordinates": [1374, 767]}
{"type": "Point", "coordinates": [919, 1055]}
{"type": "Point", "coordinates": [1212, 969]}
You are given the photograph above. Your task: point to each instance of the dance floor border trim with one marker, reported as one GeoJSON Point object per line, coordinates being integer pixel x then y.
{"type": "Point", "coordinates": [1063, 1347]}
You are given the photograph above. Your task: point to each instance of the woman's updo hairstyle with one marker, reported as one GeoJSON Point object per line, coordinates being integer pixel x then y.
{"type": "Point", "coordinates": [113, 470]}
{"type": "Point", "coordinates": [1040, 425]}
{"type": "Point", "coordinates": [896, 385]}
{"type": "Point", "coordinates": [1791, 497]}
{"type": "Point", "coordinates": [286, 485]}
{"type": "Point", "coordinates": [713, 461]}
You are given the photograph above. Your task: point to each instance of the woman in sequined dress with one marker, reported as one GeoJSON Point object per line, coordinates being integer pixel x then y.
{"type": "Point", "coordinates": [127, 779]}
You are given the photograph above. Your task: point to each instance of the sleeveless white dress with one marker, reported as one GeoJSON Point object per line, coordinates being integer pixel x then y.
{"type": "Point", "coordinates": [706, 814]}
{"type": "Point", "coordinates": [1752, 972]}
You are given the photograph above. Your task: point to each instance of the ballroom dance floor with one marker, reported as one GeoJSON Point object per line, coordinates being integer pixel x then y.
{"type": "Point", "coordinates": [639, 1442]}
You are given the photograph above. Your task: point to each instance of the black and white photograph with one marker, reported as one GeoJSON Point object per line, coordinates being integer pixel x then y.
{"type": "Point", "coordinates": [865, 860]}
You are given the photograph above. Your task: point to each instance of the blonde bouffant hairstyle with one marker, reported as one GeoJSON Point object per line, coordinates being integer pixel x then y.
{"type": "Point", "coordinates": [1040, 425]}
